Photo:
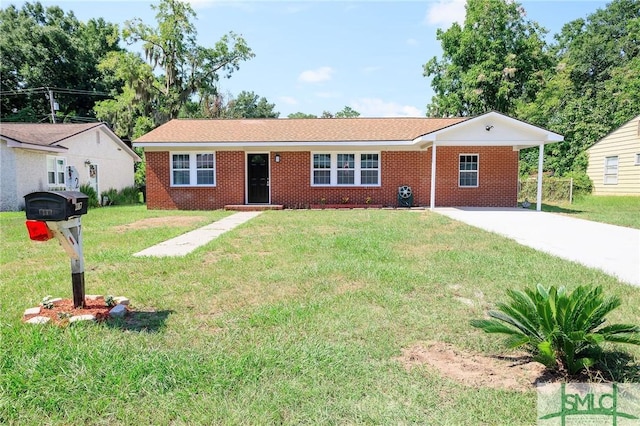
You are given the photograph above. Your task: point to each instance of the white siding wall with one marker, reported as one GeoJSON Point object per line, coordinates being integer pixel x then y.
{"type": "Point", "coordinates": [24, 171]}
{"type": "Point", "coordinates": [115, 165]}
{"type": "Point", "coordinates": [625, 144]}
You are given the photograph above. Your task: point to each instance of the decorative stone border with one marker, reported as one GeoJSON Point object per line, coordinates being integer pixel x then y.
{"type": "Point", "coordinates": [118, 311]}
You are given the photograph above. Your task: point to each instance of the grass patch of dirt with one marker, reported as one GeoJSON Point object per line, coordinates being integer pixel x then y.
{"type": "Point", "coordinates": [156, 222]}
{"type": "Point", "coordinates": [517, 373]}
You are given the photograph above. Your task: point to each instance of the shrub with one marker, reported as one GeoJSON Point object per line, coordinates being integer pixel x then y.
{"type": "Point", "coordinates": [582, 184]}
{"type": "Point", "coordinates": [560, 329]}
{"type": "Point", "coordinates": [88, 190]}
{"type": "Point", "coordinates": [126, 196]}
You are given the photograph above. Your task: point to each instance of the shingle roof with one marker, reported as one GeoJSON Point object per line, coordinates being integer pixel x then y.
{"type": "Point", "coordinates": [296, 130]}
{"type": "Point", "coordinates": [43, 134]}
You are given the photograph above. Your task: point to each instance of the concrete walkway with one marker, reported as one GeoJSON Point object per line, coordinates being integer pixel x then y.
{"type": "Point", "coordinates": [612, 249]}
{"type": "Point", "coordinates": [186, 243]}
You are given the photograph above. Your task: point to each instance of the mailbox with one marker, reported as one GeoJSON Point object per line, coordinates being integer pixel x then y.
{"type": "Point", "coordinates": [55, 205]}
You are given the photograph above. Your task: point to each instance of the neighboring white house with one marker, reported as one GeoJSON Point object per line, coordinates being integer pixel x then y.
{"type": "Point", "coordinates": [614, 161]}
{"type": "Point", "coordinates": [34, 157]}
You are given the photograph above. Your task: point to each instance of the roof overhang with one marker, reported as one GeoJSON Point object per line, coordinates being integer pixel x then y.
{"type": "Point", "coordinates": [33, 147]}
{"type": "Point", "coordinates": [490, 129]}
{"type": "Point", "coordinates": [283, 146]}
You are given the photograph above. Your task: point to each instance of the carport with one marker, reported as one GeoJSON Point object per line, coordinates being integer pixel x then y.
{"type": "Point", "coordinates": [492, 129]}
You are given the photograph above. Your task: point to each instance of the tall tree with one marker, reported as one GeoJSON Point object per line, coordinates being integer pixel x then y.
{"type": "Point", "coordinates": [301, 115]}
{"type": "Point", "coordinates": [48, 48]}
{"type": "Point", "coordinates": [595, 85]}
{"type": "Point", "coordinates": [250, 105]}
{"type": "Point", "coordinates": [347, 112]}
{"type": "Point", "coordinates": [494, 60]}
{"type": "Point", "coordinates": [182, 68]}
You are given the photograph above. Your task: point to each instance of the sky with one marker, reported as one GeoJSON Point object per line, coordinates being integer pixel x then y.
{"type": "Point", "coordinates": [323, 55]}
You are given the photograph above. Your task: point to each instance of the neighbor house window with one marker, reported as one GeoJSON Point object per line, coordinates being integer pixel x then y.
{"type": "Point", "coordinates": [193, 169]}
{"type": "Point", "coordinates": [637, 159]}
{"type": "Point", "coordinates": [55, 170]}
{"type": "Point", "coordinates": [468, 171]}
{"type": "Point", "coordinates": [611, 170]}
{"type": "Point", "coordinates": [345, 169]}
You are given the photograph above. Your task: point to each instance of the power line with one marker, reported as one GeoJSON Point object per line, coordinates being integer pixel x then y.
{"type": "Point", "coordinates": [44, 90]}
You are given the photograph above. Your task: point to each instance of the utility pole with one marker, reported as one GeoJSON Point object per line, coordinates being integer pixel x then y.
{"type": "Point", "coordinates": [52, 105]}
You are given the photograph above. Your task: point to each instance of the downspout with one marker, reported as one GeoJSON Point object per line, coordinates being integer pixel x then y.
{"type": "Point", "coordinates": [539, 190]}
{"type": "Point", "coordinates": [433, 176]}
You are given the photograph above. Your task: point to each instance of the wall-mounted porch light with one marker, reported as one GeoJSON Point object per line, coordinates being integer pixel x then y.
{"type": "Point", "coordinates": [277, 158]}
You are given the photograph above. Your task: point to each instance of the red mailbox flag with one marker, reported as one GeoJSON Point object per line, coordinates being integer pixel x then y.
{"type": "Point", "coordinates": [38, 230]}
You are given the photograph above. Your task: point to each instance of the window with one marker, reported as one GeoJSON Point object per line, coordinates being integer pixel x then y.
{"type": "Point", "coordinates": [611, 170]}
{"type": "Point", "coordinates": [321, 169]}
{"type": "Point", "coordinates": [468, 170]}
{"type": "Point", "coordinates": [193, 169]}
{"type": "Point", "coordinates": [345, 169]}
{"type": "Point", "coordinates": [56, 167]}
{"type": "Point", "coordinates": [637, 160]}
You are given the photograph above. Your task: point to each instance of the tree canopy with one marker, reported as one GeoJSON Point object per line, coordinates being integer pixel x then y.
{"type": "Point", "coordinates": [594, 86]}
{"type": "Point", "coordinates": [175, 71]}
{"type": "Point", "coordinates": [494, 60]}
{"type": "Point", "coordinates": [46, 48]}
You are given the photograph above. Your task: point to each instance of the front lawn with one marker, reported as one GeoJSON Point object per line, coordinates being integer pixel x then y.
{"type": "Point", "coordinates": [616, 210]}
{"type": "Point", "coordinates": [294, 317]}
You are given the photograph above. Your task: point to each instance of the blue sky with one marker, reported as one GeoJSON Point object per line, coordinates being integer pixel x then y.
{"type": "Point", "coordinates": [313, 56]}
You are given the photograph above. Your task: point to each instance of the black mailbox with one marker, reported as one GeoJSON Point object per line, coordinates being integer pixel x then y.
{"type": "Point", "coordinates": [55, 205]}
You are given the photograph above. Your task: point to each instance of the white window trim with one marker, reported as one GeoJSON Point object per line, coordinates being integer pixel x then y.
{"type": "Point", "coordinates": [477, 172]}
{"type": "Point", "coordinates": [56, 184]}
{"type": "Point", "coordinates": [612, 175]}
{"type": "Point", "coordinates": [193, 171]}
{"type": "Point", "coordinates": [357, 170]}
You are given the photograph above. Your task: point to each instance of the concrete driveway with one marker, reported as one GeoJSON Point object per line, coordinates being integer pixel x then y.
{"type": "Point", "coordinates": [612, 249]}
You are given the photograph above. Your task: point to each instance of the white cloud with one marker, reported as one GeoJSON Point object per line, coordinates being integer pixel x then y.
{"type": "Point", "coordinates": [443, 13]}
{"type": "Point", "coordinates": [375, 107]}
{"type": "Point", "coordinates": [316, 76]}
{"type": "Point", "coordinates": [328, 95]}
{"type": "Point", "coordinates": [288, 100]}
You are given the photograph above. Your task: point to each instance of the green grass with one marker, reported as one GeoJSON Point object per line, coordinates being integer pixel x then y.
{"type": "Point", "coordinates": [616, 210]}
{"type": "Point", "coordinates": [294, 317]}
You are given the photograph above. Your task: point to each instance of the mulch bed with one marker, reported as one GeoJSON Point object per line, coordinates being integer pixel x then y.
{"type": "Point", "coordinates": [63, 310]}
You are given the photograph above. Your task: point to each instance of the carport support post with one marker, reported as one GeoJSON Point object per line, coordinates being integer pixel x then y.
{"type": "Point", "coordinates": [539, 191]}
{"type": "Point", "coordinates": [433, 176]}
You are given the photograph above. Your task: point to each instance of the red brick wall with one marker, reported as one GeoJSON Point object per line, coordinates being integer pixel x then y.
{"type": "Point", "coordinates": [497, 178]}
{"type": "Point", "coordinates": [290, 180]}
{"type": "Point", "coordinates": [229, 189]}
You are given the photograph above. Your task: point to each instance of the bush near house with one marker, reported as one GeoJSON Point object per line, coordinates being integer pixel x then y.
{"type": "Point", "coordinates": [126, 196]}
{"type": "Point", "coordinates": [555, 188]}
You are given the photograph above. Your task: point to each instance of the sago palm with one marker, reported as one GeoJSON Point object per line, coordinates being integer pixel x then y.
{"type": "Point", "coordinates": [562, 330]}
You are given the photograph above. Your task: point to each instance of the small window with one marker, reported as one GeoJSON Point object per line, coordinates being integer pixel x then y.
{"type": "Point", "coordinates": [369, 169]}
{"type": "Point", "coordinates": [346, 172]}
{"type": "Point", "coordinates": [637, 163]}
{"type": "Point", "coordinates": [321, 169]}
{"type": "Point", "coordinates": [197, 169]}
{"type": "Point", "coordinates": [468, 174]}
{"type": "Point", "coordinates": [55, 170]}
{"type": "Point", "coordinates": [611, 170]}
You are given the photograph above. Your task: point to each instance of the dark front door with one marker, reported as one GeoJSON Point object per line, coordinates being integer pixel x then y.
{"type": "Point", "coordinates": [258, 178]}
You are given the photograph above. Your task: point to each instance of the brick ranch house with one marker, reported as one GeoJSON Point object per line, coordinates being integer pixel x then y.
{"type": "Point", "coordinates": [210, 164]}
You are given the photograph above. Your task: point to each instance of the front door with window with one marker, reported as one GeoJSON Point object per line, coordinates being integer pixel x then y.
{"type": "Point", "coordinates": [258, 178]}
